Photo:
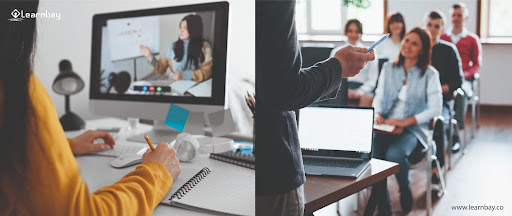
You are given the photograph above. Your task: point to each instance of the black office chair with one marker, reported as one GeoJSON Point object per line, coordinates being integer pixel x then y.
{"type": "Point", "coordinates": [381, 63]}
{"type": "Point", "coordinates": [313, 53]}
{"type": "Point", "coordinates": [421, 152]}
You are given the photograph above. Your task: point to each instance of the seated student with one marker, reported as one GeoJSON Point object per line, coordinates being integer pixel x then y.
{"type": "Point", "coordinates": [362, 85]}
{"type": "Point", "coordinates": [38, 173]}
{"type": "Point", "coordinates": [446, 59]}
{"type": "Point", "coordinates": [189, 57]}
{"type": "Point", "coordinates": [470, 51]}
{"type": "Point", "coordinates": [395, 25]}
{"type": "Point", "coordinates": [408, 96]}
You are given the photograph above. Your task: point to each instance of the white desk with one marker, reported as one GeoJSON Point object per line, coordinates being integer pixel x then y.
{"type": "Point", "coordinates": [97, 172]}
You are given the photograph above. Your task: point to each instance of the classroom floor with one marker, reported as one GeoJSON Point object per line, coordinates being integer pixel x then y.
{"type": "Point", "coordinates": [482, 176]}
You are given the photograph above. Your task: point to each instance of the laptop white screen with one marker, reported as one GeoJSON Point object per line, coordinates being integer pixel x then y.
{"type": "Point", "coordinates": [331, 128]}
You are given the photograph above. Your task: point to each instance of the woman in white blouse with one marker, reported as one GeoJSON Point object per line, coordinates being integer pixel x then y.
{"type": "Point", "coordinates": [390, 48]}
{"type": "Point", "coordinates": [361, 86]}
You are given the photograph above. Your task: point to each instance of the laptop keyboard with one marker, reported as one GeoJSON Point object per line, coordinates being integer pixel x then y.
{"type": "Point", "coordinates": [331, 163]}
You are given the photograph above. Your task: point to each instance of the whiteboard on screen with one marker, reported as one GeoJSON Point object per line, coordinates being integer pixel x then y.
{"type": "Point", "coordinates": [125, 35]}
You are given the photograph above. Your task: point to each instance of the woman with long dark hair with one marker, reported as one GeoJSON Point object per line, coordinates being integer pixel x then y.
{"type": "Point", "coordinates": [395, 25]}
{"type": "Point", "coordinates": [408, 96]}
{"type": "Point", "coordinates": [361, 86]}
{"type": "Point", "coordinates": [38, 173]}
{"type": "Point", "coordinates": [189, 58]}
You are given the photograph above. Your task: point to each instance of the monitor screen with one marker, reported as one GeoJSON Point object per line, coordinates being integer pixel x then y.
{"type": "Point", "coordinates": [174, 54]}
{"type": "Point", "coordinates": [336, 128]}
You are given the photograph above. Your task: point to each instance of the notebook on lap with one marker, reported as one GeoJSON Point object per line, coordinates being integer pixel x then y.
{"type": "Point", "coordinates": [336, 141]}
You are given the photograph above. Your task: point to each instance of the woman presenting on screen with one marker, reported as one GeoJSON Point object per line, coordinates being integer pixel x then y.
{"type": "Point", "coordinates": [189, 58]}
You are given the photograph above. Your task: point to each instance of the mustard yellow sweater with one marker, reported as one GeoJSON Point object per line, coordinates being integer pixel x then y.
{"type": "Point", "coordinates": [55, 185]}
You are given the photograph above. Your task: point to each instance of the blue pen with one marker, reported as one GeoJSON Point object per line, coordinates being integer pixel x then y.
{"type": "Point", "coordinates": [378, 42]}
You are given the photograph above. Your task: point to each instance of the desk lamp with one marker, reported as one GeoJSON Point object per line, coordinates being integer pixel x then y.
{"type": "Point", "coordinates": [68, 83]}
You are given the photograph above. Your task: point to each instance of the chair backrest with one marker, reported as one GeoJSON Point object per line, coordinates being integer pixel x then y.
{"type": "Point", "coordinates": [458, 107]}
{"type": "Point", "coordinates": [313, 53]}
{"type": "Point", "coordinates": [436, 124]}
{"type": "Point", "coordinates": [381, 62]}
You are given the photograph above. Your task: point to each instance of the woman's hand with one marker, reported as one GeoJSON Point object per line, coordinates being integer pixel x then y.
{"type": "Point", "coordinates": [378, 118]}
{"type": "Point", "coordinates": [146, 52]}
{"type": "Point", "coordinates": [84, 143]}
{"type": "Point", "coordinates": [166, 156]}
{"type": "Point", "coordinates": [177, 75]}
{"type": "Point", "coordinates": [398, 122]}
{"type": "Point", "coordinates": [355, 93]}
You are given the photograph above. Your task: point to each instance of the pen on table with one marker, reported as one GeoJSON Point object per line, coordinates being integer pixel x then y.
{"type": "Point", "coordinates": [149, 142]}
{"type": "Point", "coordinates": [378, 42]}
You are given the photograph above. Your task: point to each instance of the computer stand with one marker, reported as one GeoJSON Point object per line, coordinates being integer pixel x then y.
{"type": "Point", "coordinates": [159, 133]}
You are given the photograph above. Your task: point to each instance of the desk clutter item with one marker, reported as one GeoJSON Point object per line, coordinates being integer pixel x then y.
{"type": "Point", "coordinates": [121, 149]}
{"type": "Point", "coordinates": [186, 147]}
{"type": "Point", "coordinates": [177, 117]}
{"type": "Point", "coordinates": [214, 144]}
{"type": "Point", "coordinates": [212, 192]}
{"type": "Point", "coordinates": [236, 158]}
{"type": "Point", "coordinates": [222, 123]}
{"type": "Point", "coordinates": [251, 103]}
{"type": "Point", "coordinates": [384, 127]}
{"type": "Point", "coordinates": [126, 160]}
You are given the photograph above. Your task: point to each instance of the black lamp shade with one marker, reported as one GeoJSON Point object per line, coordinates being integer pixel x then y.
{"type": "Point", "coordinates": [68, 83]}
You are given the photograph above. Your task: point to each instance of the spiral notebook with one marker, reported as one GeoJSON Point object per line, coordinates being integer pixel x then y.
{"type": "Point", "coordinates": [213, 192]}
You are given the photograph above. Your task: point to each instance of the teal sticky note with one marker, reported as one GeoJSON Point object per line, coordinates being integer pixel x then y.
{"type": "Point", "coordinates": [177, 117]}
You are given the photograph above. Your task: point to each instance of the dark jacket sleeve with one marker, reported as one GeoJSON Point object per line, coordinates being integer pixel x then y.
{"type": "Point", "coordinates": [281, 84]}
{"type": "Point", "coordinates": [456, 74]}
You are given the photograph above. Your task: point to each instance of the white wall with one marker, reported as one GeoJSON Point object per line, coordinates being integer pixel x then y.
{"type": "Point", "coordinates": [70, 38]}
{"type": "Point", "coordinates": [495, 73]}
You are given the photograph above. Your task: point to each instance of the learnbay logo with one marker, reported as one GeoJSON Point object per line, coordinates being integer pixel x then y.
{"type": "Point", "coordinates": [18, 16]}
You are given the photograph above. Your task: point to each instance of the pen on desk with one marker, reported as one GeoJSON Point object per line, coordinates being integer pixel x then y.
{"type": "Point", "coordinates": [378, 42]}
{"type": "Point", "coordinates": [149, 142]}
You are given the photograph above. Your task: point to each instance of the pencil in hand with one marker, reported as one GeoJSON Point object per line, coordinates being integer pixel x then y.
{"type": "Point", "coordinates": [149, 142]}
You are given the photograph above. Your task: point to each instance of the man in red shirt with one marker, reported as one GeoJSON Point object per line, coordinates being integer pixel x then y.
{"type": "Point", "coordinates": [468, 44]}
{"type": "Point", "coordinates": [470, 51]}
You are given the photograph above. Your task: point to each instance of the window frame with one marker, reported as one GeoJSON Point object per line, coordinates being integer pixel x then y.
{"type": "Point", "coordinates": [483, 25]}
{"type": "Point", "coordinates": [344, 11]}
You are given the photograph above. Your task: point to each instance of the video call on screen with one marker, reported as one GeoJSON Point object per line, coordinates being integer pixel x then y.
{"type": "Point", "coordinates": [169, 55]}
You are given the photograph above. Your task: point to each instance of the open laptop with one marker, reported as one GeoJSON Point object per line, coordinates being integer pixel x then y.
{"type": "Point", "coordinates": [336, 141]}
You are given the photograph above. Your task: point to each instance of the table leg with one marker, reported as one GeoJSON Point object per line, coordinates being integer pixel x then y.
{"type": "Point", "coordinates": [378, 196]}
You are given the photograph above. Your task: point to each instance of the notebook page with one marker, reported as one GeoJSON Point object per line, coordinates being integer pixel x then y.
{"type": "Point", "coordinates": [384, 127]}
{"type": "Point", "coordinates": [185, 175]}
{"type": "Point", "coordinates": [181, 86]}
{"type": "Point", "coordinates": [225, 192]}
{"type": "Point", "coordinates": [203, 89]}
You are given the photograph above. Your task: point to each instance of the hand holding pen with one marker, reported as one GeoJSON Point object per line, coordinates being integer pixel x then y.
{"type": "Point", "coordinates": [164, 155]}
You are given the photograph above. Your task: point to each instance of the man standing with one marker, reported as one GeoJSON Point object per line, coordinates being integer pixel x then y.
{"type": "Point", "coordinates": [445, 58]}
{"type": "Point", "coordinates": [281, 87]}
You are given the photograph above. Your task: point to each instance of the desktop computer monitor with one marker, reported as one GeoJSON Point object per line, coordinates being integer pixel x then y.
{"type": "Point", "coordinates": [144, 60]}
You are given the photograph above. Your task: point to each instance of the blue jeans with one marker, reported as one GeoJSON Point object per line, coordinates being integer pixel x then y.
{"type": "Point", "coordinates": [397, 148]}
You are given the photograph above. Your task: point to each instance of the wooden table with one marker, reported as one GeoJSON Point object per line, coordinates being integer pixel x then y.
{"type": "Point", "coordinates": [320, 191]}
